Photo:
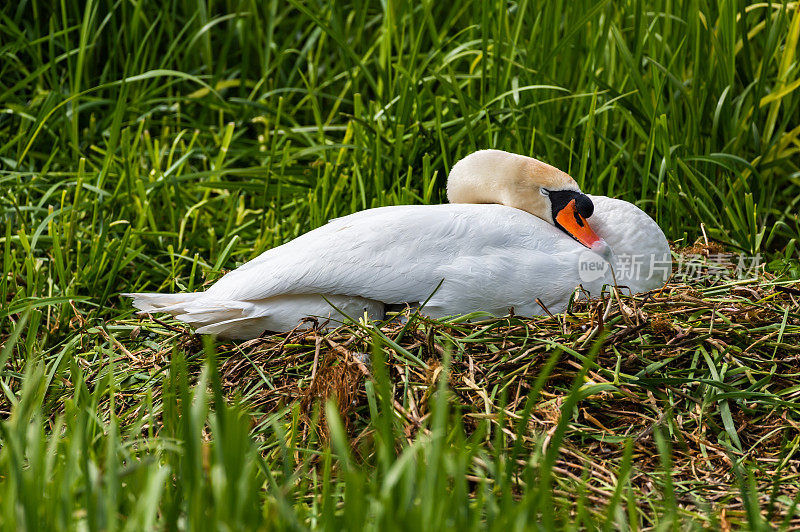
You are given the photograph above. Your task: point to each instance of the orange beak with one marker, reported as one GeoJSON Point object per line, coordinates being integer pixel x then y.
{"type": "Point", "coordinates": [577, 226]}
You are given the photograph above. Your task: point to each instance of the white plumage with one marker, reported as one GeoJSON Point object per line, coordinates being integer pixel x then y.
{"type": "Point", "coordinates": [487, 257]}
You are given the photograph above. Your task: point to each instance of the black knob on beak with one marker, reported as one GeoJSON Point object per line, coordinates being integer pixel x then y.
{"type": "Point", "coordinates": [584, 205]}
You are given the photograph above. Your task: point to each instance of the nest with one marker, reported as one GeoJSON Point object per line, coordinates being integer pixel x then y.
{"type": "Point", "coordinates": [710, 360]}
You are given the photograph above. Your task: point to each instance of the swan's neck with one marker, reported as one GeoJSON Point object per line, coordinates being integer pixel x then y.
{"type": "Point", "coordinates": [494, 176]}
{"type": "Point", "coordinates": [640, 252]}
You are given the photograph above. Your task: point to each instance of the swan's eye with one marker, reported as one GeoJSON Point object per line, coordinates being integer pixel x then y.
{"type": "Point", "coordinates": [544, 192]}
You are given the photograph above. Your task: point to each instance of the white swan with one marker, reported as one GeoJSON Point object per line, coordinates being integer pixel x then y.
{"type": "Point", "coordinates": [515, 231]}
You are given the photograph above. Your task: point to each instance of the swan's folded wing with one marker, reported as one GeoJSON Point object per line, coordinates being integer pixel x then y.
{"type": "Point", "coordinates": [391, 254]}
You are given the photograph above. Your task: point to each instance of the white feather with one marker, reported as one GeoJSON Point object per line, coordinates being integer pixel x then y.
{"type": "Point", "coordinates": [487, 257]}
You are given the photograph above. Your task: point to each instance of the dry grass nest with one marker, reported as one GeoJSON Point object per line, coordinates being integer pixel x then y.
{"type": "Point", "coordinates": [712, 362]}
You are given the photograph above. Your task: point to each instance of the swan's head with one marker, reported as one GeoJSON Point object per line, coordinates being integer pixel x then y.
{"type": "Point", "coordinates": [494, 176]}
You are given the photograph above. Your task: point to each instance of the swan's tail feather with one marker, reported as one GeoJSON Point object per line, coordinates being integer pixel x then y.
{"type": "Point", "coordinates": [248, 319]}
{"type": "Point", "coordinates": [205, 315]}
{"type": "Point", "coordinates": [207, 312]}
{"type": "Point", "coordinates": [242, 328]}
{"type": "Point", "coordinates": [148, 302]}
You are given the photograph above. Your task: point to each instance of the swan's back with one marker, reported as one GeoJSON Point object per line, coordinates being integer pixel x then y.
{"type": "Point", "coordinates": [390, 254]}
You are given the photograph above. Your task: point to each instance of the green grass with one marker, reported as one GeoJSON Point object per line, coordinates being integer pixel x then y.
{"type": "Point", "coordinates": [153, 147]}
